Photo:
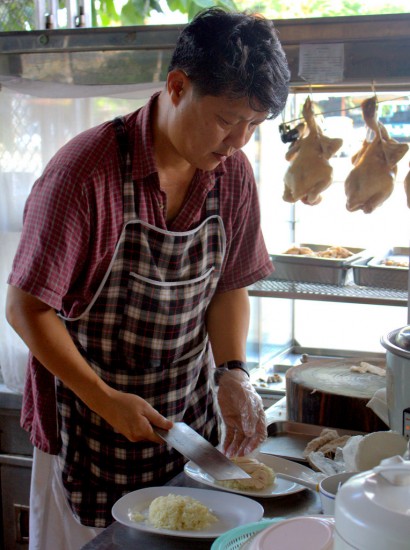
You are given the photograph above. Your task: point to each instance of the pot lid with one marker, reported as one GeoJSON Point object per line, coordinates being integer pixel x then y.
{"type": "Point", "coordinates": [403, 338]}
{"type": "Point", "coordinates": [397, 342]}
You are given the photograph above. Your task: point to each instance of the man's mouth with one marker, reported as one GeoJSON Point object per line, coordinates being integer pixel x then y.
{"type": "Point", "coordinates": [221, 157]}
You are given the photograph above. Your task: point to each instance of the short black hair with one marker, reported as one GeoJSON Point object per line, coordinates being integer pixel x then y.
{"type": "Point", "coordinates": [234, 54]}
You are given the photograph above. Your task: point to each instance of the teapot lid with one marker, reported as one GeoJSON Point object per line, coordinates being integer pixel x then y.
{"type": "Point", "coordinates": [393, 474]}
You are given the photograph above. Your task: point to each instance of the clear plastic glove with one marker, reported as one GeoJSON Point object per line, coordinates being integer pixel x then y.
{"type": "Point", "coordinates": [242, 412]}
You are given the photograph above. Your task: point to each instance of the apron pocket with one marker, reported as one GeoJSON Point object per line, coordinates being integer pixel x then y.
{"type": "Point", "coordinates": [163, 321]}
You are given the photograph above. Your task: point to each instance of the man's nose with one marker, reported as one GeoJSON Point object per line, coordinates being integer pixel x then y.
{"type": "Point", "coordinates": [239, 136]}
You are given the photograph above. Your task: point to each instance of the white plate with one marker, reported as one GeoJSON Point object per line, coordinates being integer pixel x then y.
{"type": "Point", "coordinates": [231, 510]}
{"type": "Point", "coordinates": [279, 488]}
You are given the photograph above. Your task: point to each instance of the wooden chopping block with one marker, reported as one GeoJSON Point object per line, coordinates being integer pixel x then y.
{"type": "Point", "coordinates": [328, 393]}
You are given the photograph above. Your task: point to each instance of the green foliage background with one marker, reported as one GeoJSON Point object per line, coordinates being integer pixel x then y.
{"type": "Point", "coordinates": [18, 15]}
{"type": "Point", "coordinates": [136, 11]}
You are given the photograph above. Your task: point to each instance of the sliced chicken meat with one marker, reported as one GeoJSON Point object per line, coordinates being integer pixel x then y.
{"type": "Point", "coordinates": [309, 172]}
{"type": "Point", "coordinates": [371, 181]}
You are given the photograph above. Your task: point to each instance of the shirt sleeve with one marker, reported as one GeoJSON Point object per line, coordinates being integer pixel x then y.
{"type": "Point", "coordinates": [72, 221]}
{"type": "Point", "coordinates": [247, 259]}
{"type": "Point", "coordinates": [55, 237]}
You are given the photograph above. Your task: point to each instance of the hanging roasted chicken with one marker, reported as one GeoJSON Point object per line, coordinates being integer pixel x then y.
{"type": "Point", "coordinates": [309, 172]}
{"type": "Point", "coordinates": [371, 181]}
{"type": "Point", "coordinates": [407, 187]}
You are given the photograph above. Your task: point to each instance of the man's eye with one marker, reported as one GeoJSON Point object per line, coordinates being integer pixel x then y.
{"type": "Point", "coordinates": [224, 122]}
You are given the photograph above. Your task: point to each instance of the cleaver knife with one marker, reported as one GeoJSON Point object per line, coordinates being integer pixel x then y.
{"type": "Point", "coordinates": [193, 446]}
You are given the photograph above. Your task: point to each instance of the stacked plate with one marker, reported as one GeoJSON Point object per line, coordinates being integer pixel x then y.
{"type": "Point", "coordinates": [307, 532]}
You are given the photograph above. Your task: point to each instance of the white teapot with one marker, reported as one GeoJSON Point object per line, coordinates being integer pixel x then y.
{"type": "Point", "coordinates": [373, 508]}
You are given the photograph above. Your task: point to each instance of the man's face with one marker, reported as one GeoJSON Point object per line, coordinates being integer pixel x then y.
{"type": "Point", "coordinates": [206, 130]}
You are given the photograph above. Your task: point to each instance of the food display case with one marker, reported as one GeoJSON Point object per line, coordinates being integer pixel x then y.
{"type": "Point", "coordinates": [323, 308]}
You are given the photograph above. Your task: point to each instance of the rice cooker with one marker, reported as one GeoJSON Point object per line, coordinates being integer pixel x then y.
{"type": "Point", "coordinates": [397, 344]}
{"type": "Point", "coordinates": [373, 507]}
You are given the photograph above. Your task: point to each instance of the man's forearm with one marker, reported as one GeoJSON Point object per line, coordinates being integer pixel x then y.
{"type": "Point", "coordinates": [49, 341]}
{"type": "Point", "coordinates": [228, 324]}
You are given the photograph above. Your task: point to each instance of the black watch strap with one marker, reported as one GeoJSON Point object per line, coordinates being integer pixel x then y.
{"type": "Point", "coordinates": [229, 365]}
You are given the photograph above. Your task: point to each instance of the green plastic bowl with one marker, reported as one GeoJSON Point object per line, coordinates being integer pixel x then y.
{"type": "Point", "coordinates": [234, 539]}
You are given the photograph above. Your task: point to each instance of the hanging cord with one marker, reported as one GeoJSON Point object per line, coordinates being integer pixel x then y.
{"type": "Point", "coordinates": [378, 124]}
{"type": "Point", "coordinates": [379, 133]}
{"type": "Point", "coordinates": [344, 110]}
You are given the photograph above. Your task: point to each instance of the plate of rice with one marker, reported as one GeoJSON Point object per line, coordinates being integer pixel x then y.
{"type": "Point", "coordinates": [275, 486]}
{"type": "Point", "coordinates": [185, 511]}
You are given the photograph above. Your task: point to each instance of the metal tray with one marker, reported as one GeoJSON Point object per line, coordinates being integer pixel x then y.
{"type": "Point", "coordinates": [309, 269]}
{"type": "Point", "coordinates": [373, 272]}
{"type": "Point", "coordinates": [289, 439]}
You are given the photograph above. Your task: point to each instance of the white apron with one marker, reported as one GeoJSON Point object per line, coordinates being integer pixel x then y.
{"type": "Point", "coordinates": [52, 524]}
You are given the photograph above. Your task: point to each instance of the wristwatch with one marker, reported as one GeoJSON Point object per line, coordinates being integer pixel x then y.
{"type": "Point", "coordinates": [229, 365]}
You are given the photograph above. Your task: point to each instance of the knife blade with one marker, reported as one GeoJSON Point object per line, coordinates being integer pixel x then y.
{"type": "Point", "coordinates": [193, 446]}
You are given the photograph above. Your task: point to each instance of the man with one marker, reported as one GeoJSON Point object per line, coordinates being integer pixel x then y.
{"type": "Point", "coordinates": [129, 284]}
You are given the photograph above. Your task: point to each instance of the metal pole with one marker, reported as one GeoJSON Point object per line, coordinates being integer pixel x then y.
{"type": "Point", "coordinates": [40, 14]}
{"type": "Point", "coordinates": [53, 10]}
{"type": "Point", "coordinates": [87, 5]}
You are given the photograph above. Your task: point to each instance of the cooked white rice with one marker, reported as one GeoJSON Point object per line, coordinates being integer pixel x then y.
{"type": "Point", "coordinates": [180, 513]}
{"type": "Point", "coordinates": [135, 515]}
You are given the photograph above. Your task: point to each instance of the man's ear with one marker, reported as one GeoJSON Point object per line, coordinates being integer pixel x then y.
{"type": "Point", "coordinates": [177, 82]}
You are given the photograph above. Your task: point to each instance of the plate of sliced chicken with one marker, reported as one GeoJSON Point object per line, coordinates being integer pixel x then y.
{"type": "Point", "coordinates": [266, 473]}
{"type": "Point", "coordinates": [371, 181]}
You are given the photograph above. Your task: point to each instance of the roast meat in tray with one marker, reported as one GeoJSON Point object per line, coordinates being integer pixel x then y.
{"type": "Point", "coordinates": [389, 270]}
{"type": "Point", "coordinates": [312, 268]}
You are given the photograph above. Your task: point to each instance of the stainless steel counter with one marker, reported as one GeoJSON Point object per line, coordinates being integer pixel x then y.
{"type": "Point", "coordinates": [120, 537]}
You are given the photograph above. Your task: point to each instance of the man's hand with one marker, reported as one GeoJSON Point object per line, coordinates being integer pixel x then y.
{"type": "Point", "coordinates": [133, 417]}
{"type": "Point", "coordinates": [242, 413]}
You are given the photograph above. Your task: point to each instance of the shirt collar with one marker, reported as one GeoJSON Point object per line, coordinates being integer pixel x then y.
{"type": "Point", "coordinates": [143, 163]}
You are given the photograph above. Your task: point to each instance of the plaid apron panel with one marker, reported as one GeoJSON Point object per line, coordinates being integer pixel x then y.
{"type": "Point", "coordinates": [144, 334]}
{"type": "Point", "coordinates": [102, 465]}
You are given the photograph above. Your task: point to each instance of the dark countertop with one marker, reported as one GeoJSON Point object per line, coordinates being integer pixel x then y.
{"type": "Point", "coordinates": [121, 537]}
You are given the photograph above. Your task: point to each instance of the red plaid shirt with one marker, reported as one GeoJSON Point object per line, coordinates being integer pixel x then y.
{"type": "Point", "coordinates": [74, 216]}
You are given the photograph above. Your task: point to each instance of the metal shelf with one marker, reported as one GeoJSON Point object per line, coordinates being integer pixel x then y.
{"type": "Point", "coordinates": [349, 293]}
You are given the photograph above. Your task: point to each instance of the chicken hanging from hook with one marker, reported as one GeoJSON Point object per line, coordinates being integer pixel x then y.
{"type": "Point", "coordinates": [309, 172]}
{"type": "Point", "coordinates": [371, 181]}
{"type": "Point", "coordinates": [407, 187]}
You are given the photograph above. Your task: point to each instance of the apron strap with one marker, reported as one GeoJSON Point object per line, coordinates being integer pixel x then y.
{"type": "Point", "coordinates": [130, 206]}
{"type": "Point", "coordinates": [212, 200]}
{"type": "Point", "coordinates": [121, 134]}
